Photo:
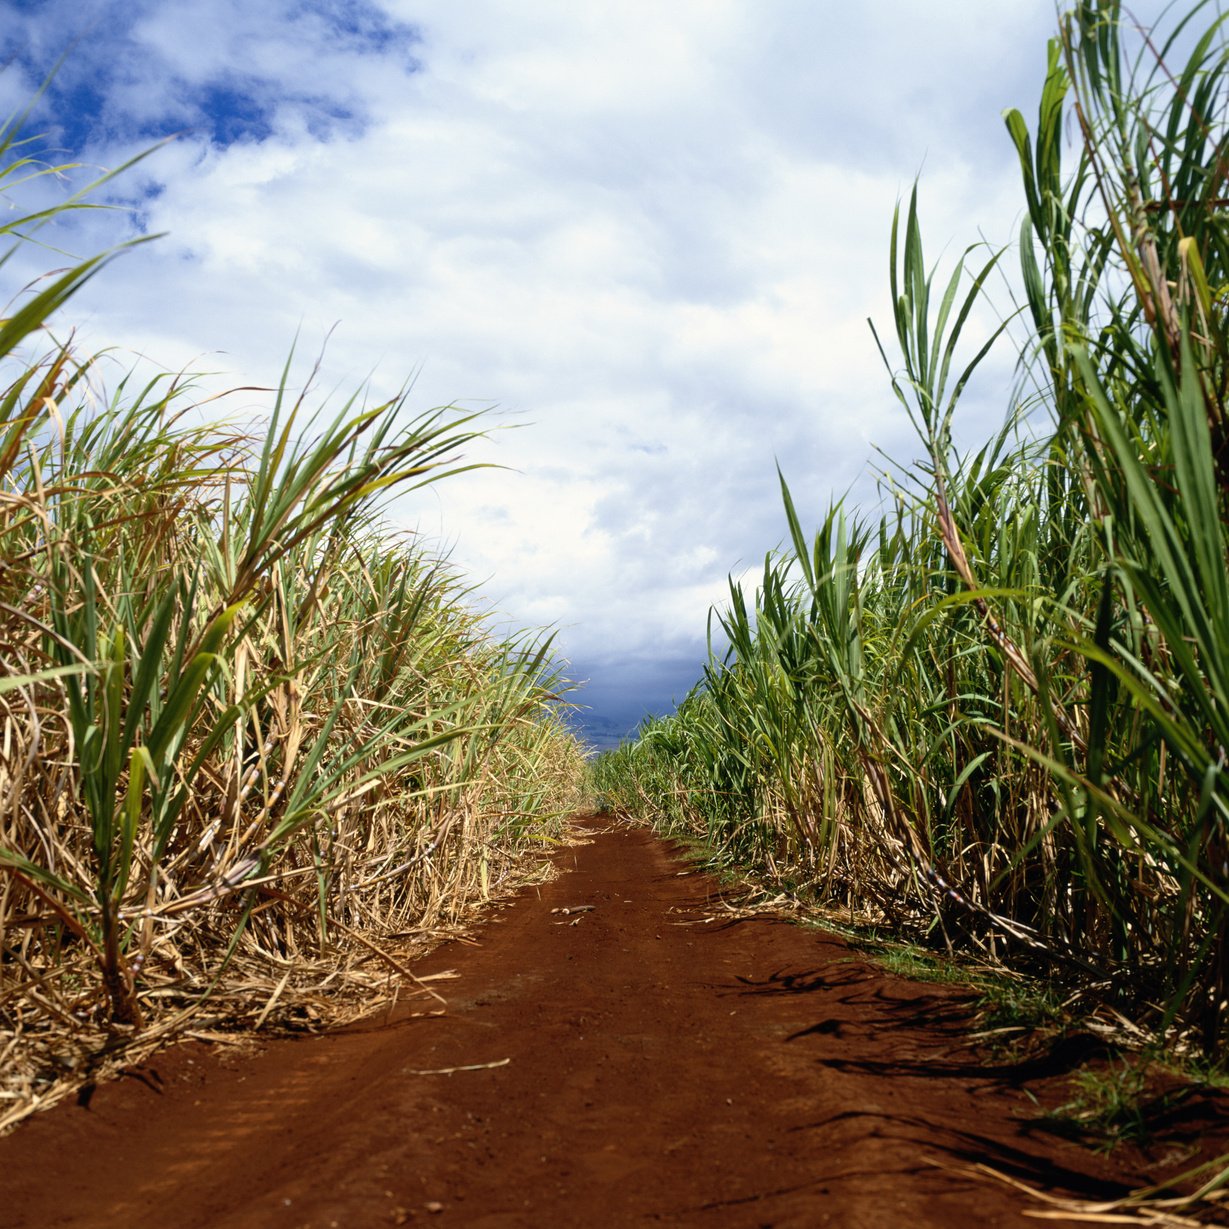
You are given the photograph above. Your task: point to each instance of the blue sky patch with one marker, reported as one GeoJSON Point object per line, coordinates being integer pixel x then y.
{"type": "Point", "coordinates": [234, 113]}
{"type": "Point", "coordinates": [362, 26]}
{"type": "Point", "coordinates": [116, 85]}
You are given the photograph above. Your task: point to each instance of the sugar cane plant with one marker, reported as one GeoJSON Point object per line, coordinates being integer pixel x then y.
{"type": "Point", "coordinates": [246, 730]}
{"type": "Point", "coordinates": [1001, 714]}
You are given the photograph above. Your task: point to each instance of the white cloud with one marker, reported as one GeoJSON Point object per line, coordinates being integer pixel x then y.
{"type": "Point", "coordinates": [650, 233]}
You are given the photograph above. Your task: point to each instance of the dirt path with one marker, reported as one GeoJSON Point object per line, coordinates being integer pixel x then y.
{"type": "Point", "coordinates": [641, 1066]}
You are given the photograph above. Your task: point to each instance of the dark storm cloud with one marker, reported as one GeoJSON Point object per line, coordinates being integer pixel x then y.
{"type": "Point", "coordinates": [622, 690]}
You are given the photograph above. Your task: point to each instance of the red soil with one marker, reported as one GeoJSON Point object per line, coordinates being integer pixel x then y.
{"type": "Point", "coordinates": [633, 1064]}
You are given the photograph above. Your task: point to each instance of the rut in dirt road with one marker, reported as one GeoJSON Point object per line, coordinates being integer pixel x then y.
{"type": "Point", "coordinates": [647, 1060]}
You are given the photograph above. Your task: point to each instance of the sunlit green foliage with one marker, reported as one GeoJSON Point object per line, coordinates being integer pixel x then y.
{"type": "Point", "coordinates": [1000, 712]}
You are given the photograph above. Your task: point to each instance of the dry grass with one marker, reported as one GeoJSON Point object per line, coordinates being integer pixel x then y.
{"type": "Point", "coordinates": [251, 740]}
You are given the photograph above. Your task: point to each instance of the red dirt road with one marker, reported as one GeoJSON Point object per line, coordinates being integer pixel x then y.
{"type": "Point", "coordinates": [639, 1067]}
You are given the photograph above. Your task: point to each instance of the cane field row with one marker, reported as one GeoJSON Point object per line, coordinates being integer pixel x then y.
{"type": "Point", "coordinates": [252, 740]}
{"type": "Point", "coordinates": [994, 712]}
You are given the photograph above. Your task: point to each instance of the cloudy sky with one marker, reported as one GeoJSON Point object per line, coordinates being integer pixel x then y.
{"type": "Point", "coordinates": [648, 233]}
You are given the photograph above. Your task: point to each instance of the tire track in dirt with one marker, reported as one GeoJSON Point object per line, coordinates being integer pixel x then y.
{"type": "Point", "coordinates": [632, 1064]}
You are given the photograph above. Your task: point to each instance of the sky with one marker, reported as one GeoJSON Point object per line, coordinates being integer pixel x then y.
{"type": "Point", "coordinates": [644, 237]}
